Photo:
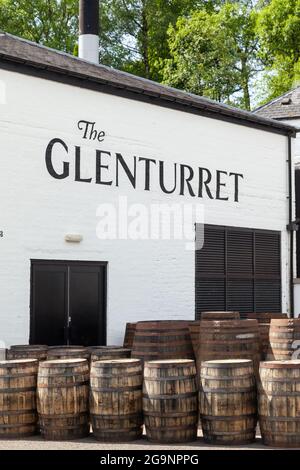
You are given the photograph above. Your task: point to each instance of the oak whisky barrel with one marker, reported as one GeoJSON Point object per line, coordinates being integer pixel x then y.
{"type": "Point", "coordinates": [265, 317]}
{"type": "Point", "coordinates": [229, 339]}
{"type": "Point", "coordinates": [279, 403]}
{"type": "Point", "coordinates": [220, 315]}
{"type": "Point", "coordinates": [63, 388]}
{"type": "Point", "coordinates": [284, 339]}
{"type": "Point", "coordinates": [170, 402]}
{"type": "Point", "coordinates": [227, 401]}
{"type": "Point", "coordinates": [27, 351]}
{"type": "Point", "coordinates": [129, 335]}
{"type": "Point", "coordinates": [264, 330]}
{"type": "Point", "coordinates": [68, 353]}
{"type": "Point", "coordinates": [102, 353]}
{"type": "Point", "coordinates": [116, 399]}
{"type": "Point", "coordinates": [162, 340]}
{"type": "Point", "coordinates": [18, 414]}
{"type": "Point", "coordinates": [194, 327]}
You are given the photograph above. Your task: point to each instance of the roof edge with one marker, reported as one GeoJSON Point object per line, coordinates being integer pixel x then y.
{"type": "Point", "coordinates": [166, 96]}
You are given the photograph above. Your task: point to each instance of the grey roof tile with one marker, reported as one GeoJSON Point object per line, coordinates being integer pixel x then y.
{"type": "Point", "coordinates": [286, 106]}
{"type": "Point", "coordinates": [14, 50]}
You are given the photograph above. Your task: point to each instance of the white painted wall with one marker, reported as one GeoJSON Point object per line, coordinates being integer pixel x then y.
{"type": "Point", "coordinates": [146, 279]}
{"type": "Point", "coordinates": [296, 123]}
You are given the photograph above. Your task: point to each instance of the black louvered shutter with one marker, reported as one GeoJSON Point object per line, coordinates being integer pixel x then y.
{"type": "Point", "coordinates": [238, 269]}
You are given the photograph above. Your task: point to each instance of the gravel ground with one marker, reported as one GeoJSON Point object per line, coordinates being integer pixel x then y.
{"type": "Point", "coordinates": [37, 443]}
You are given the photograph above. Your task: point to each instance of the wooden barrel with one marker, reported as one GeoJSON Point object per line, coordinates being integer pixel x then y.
{"type": "Point", "coordinates": [227, 401]}
{"type": "Point", "coordinates": [194, 327]}
{"type": "Point", "coordinates": [68, 353]}
{"type": "Point", "coordinates": [264, 329]}
{"type": "Point", "coordinates": [229, 339]}
{"type": "Point", "coordinates": [129, 335]}
{"type": "Point", "coordinates": [31, 346]}
{"type": "Point", "coordinates": [67, 346]}
{"type": "Point", "coordinates": [116, 399]}
{"type": "Point", "coordinates": [279, 403]}
{"type": "Point", "coordinates": [27, 351]}
{"type": "Point", "coordinates": [102, 353]}
{"type": "Point", "coordinates": [170, 402]}
{"type": "Point", "coordinates": [18, 415]}
{"type": "Point", "coordinates": [220, 315]}
{"type": "Point", "coordinates": [265, 317]}
{"type": "Point", "coordinates": [162, 340]}
{"type": "Point", "coordinates": [63, 389]}
{"type": "Point", "coordinates": [284, 339]}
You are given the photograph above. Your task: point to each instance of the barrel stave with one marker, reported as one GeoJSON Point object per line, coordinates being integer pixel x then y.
{"type": "Point", "coordinates": [227, 401]}
{"type": "Point", "coordinates": [279, 403]}
{"type": "Point", "coordinates": [170, 401]}
{"type": "Point", "coordinates": [63, 387]}
{"type": "Point", "coordinates": [284, 334]}
{"type": "Point", "coordinates": [129, 335]}
{"type": "Point", "coordinates": [162, 340]}
{"type": "Point", "coordinates": [18, 415]}
{"type": "Point", "coordinates": [116, 399]}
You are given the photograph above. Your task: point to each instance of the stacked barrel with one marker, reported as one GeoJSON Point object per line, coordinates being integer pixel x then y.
{"type": "Point", "coordinates": [284, 339]}
{"type": "Point", "coordinates": [156, 340]}
{"type": "Point", "coordinates": [264, 323]}
{"type": "Point", "coordinates": [229, 339]}
{"type": "Point", "coordinates": [129, 335]}
{"type": "Point", "coordinates": [64, 391]}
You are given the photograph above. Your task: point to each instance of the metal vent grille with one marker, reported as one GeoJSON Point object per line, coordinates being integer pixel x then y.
{"type": "Point", "coordinates": [238, 269]}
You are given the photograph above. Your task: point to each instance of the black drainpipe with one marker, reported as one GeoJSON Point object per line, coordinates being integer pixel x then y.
{"type": "Point", "coordinates": [291, 173]}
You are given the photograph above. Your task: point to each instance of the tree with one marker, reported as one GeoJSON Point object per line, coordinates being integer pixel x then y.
{"type": "Point", "coordinates": [279, 30]}
{"type": "Point", "coordinates": [134, 33]}
{"type": "Point", "coordinates": [214, 53]}
{"type": "Point", "coordinates": [53, 23]}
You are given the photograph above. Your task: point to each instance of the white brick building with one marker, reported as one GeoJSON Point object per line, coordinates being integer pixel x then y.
{"type": "Point", "coordinates": [154, 146]}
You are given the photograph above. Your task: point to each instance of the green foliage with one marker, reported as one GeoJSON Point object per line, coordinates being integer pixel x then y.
{"type": "Point", "coordinates": [279, 30]}
{"type": "Point", "coordinates": [215, 53]}
{"type": "Point", "coordinates": [53, 23]}
{"type": "Point", "coordinates": [214, 48]}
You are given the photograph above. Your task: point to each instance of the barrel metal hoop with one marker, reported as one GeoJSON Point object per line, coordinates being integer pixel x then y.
{"type": "Point", "coordinates": [227, 378]}
{"type": "Point", "coordinates": [16, 376]}
{"type": "Point", "coordinates": [229, 418]}
{"type": "Point", "coordinates": [176, 414]}
{"type": "Point", "coordinates": [17, 390]}
{"type": "Point", "coordinates": [172, 429]}
{"type": "Point", "coordinates": [172, 378]}
{"type": "Point", "coordinates": [60, 386]}
{"type": "Point", "coordinates": [18, 412]}
{"type": "Point", "coordinates": [278, 394]}
{"type": "Point", "coordinates": [116, 417]}
{"type": "Point", "coordinates": [116, 390]}
{"type": "Point", "coordinates": [171, 397]}
{"type": "Point", "coordinates": [22, 425]}
{"type": "Point", "coordinates": [280, 418]}
{"type": "Point", "coordinates": [49, 376]}
{"type": "Point", "coordinates": [233, 433]}
{"type": "Point", "coordinates": [115, 376]}
{"type": "Point", "coordinates": [62, 416]}
{"type": "Point", "coordinates": [228, 390]}
{"type": "Point", "coordinates": [116, 431]}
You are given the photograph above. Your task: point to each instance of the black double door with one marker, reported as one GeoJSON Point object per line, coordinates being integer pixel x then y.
{"type": "Point", "coordinates": [68, 300]}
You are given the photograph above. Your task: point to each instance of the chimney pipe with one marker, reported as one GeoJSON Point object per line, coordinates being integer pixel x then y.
{"type": "Point", "coordinates": [89, 30]}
